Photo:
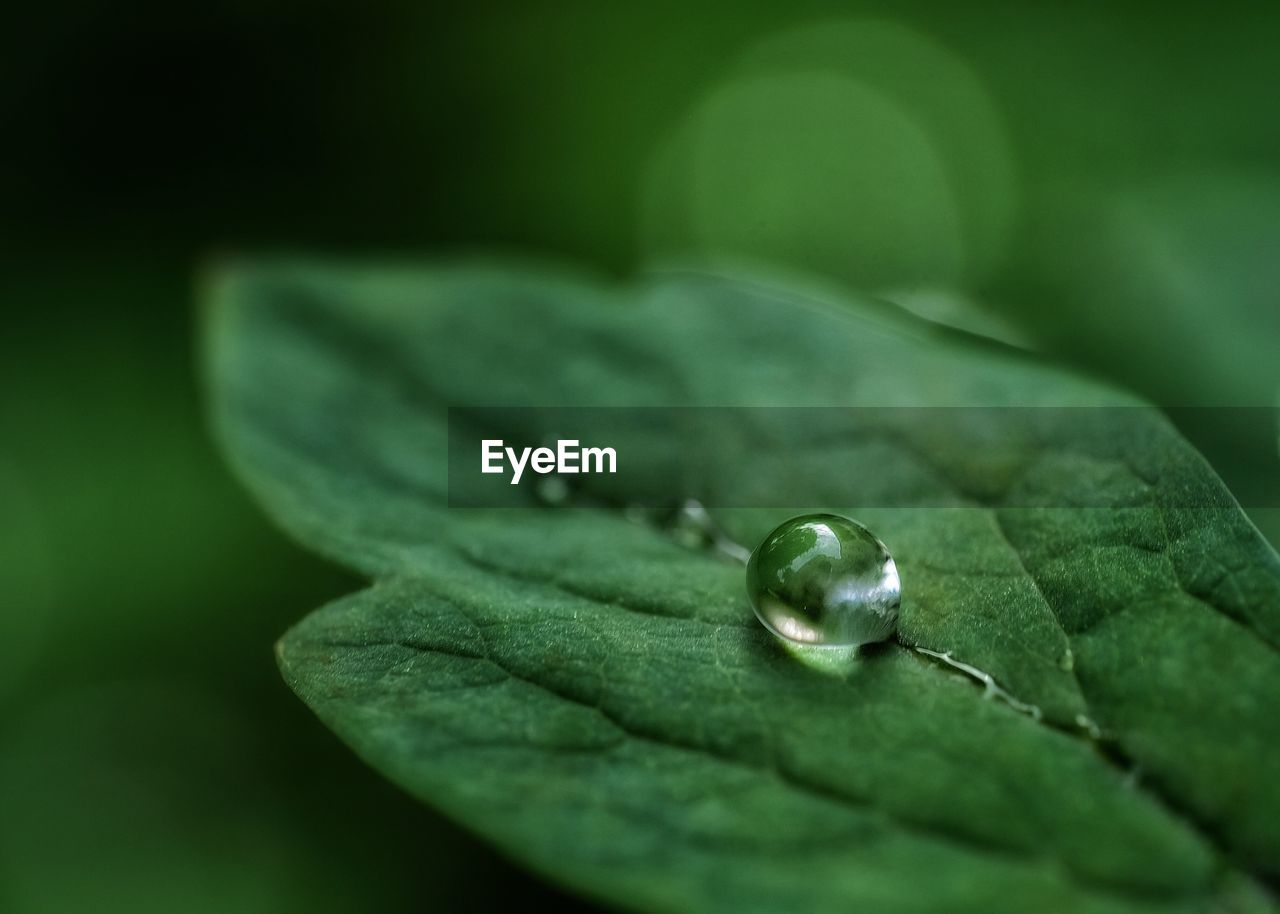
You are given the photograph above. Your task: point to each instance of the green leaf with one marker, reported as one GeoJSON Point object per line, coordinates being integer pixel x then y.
{"type": "Point", "coordinates": [599, 701]}
{"type": "Point", "coordinates": [1182, 262]}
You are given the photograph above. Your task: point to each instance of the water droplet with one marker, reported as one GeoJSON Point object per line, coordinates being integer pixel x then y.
{"type": "Point", "coordinates": [552, 490]}
{"type": "Point", "coordinates": [1089, 726]}
{"type": "Point", "coordinates": [823, 579]}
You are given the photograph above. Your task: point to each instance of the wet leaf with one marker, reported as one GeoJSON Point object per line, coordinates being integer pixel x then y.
{"type": "Point", "coordinates": [598, 700]}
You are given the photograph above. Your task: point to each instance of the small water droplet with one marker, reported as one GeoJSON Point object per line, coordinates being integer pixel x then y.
{"type": "Point", "coordinates": [1067, 662]}
{"type": "Point", "coordinates": [822, 579]}
{"type": "Point", "coordinates": [692, 526]}
{"type": "Point", "coordinates": [552, 490]}
{"type": "Point", "coordinates": [1088, 725]}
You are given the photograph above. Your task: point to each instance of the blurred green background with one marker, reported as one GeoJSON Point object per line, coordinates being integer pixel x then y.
{"type": "Point", "coordinates": [1097, 180]}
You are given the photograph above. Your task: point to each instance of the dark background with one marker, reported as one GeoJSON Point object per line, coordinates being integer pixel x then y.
{"type": "Point", "coordinates": [1110, 173]}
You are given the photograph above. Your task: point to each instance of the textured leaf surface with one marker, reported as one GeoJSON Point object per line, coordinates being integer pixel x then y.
{"type": "Point", "coordinates": [599, 701]}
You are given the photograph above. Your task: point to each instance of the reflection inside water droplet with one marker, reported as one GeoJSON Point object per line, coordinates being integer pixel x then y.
{"type": "Point", "coordinates": [824, 580]}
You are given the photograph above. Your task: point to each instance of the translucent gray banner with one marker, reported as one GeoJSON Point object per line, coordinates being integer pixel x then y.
{"type": "Point", "coordinates": [768, 457]}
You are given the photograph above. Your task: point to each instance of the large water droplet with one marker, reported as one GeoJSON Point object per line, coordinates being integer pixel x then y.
{"type": "Point", "coordinates": [823, 579]}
